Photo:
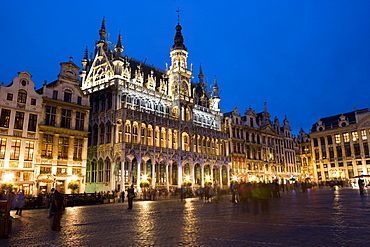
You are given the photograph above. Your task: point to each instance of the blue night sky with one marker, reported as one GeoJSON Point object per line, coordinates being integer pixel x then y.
{"type": "Point", "coordinates": [306, 59]}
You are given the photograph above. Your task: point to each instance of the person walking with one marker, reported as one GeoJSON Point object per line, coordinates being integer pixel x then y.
{"type": "Point", "coordinates": [130, 196]}
{"type": "Point", "coordinates": [57, 208]}
{"type": "Point", "coordinates": [21, 200]}
{"type": "Point", "coordinates": [361, 185]}
{"type": "Point", "coordinates": [51, 213]}
{"type": "Point", "coordinates": [122, 196]}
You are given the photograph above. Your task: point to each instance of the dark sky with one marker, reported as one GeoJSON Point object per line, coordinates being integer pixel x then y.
{"type": "Point", "coordinates": [306, 59]}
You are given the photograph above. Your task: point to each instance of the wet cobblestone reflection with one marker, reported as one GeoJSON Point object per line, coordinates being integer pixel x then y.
{"type": "Point", "coordinates": [319, 218]}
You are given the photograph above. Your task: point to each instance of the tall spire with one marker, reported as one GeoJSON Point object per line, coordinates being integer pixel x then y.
{"type": "Point", "coordinates": [200, 75]}
{"type": "Point", "coordinates": [119, 47]}
{"type": "Point", "coordinates": [215, 88]}
{"type": "Point", "coordinates": [102, 31]}
{"type": "Point", "coordinates": [85, 60]}
{"type": "Point", "coordinates": [179, 39]}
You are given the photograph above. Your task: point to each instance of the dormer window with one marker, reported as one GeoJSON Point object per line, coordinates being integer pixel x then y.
{"type": "Point", "coordinates": [67, 97]}
{"type": "Point", "coordinates": [55, 94]}
{"type": "Point", "coordinates": [22, 96]}
{"type": "Point", "coordinates": [9, 96]}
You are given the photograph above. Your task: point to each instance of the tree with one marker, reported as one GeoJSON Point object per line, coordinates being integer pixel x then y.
{"type": "Point", "coordinates": [73, 186]}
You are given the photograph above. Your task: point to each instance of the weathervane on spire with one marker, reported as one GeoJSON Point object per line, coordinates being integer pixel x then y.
{"type": "Point", "coordinates": [178, 15]}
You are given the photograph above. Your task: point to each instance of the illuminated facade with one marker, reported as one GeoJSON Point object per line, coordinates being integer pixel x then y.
{"type": "Point", "coordinates": [62, 151]}
{"type": "Point", "coordinates": [21, 109]}
{"type": "Point", "coordinates": [150, 124]}
{"type": "Point", "coordinates": [259, 149]}
{"type": "Point", "coordinates": [339, 146]}
{"type": "Point", "coordinates": [304, 156]}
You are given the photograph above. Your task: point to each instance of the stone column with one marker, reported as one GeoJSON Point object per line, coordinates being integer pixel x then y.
{"type": "Point", "coordinates": [179, 178]}
{"type": "Point", "coordinates": [122, 174]}
{"type": "Point", "coordinates": [73, 119]}
{"type": "Point", "coordinates": [138, 174]}
{"type": "Point", "coordinates": [220, 176]}
{"type": "Point", "coordinates": [191, 166]}
{"type": "Point", "coordinates": [167, 177]}
{"type": "Point", "coordinates": [211, 168]}
{"type": "Point", "coordinates": [58, 116]}
{"type": "Point", "coordinates": [202, 175]}
{"type": "Point", "coordinates": [228, 176]}
{"type": "Point", "coordinates": [154, 166]}
{"type": "Point", "coordinates": [71, 144]}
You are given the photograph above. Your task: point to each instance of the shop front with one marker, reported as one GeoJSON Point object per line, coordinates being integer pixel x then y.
{"type": "Point", "coordinates": [25, 186]}
{"type": "Point", "coordinates": [44, 183]}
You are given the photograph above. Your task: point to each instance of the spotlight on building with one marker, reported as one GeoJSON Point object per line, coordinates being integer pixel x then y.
{"type": "Point", "coordinates": [8, 177]}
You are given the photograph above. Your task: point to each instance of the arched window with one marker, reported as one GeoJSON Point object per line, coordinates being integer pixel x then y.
{"type": "Point", "coordinates": [175, 113]}
{"type": "Point", "coordinates": [128, 131]}
{"type": "Point", "coordinates": [135, 135]}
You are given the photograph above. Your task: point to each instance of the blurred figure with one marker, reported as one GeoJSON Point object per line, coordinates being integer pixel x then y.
{"type": "Point", "coordinates": [361, 186]}
{"type": "Point", "coordinates": [57, 207]}
{"type": "Point", "coordinates": [21, 200]}
{"type": "Point", "coordinates": [130, 196]}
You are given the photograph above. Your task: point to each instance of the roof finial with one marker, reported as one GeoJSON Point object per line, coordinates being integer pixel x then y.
{"type": "Point", "coordinates": [200, 76]}
{"type": "Point", "coordinates": [102, 31]}
{"type": "Point", "coordinates": [86, 54]}
{"type": "Point", "coordinates": [119, 47]}
{"type": "Point", "coordinates": [215, 88]}
{"type": "Point", "coordinates": [179, 39]}
{"type": "Point", "coordinates": [178, 15]}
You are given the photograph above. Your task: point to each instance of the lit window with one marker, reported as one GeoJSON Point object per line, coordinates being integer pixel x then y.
{"type": "Point", "coordinates": [337, 139]}
{"type": "Point", "coordinates": [354, 136]}
{"type": "Point", "coordinates": [2, 148]}
{"type": "Point", "coordinates": [63, 147]}
{"type": "Point", "coordinates": [29, 149]}
{"type": "Point", "coordinates": [363, 135]}
{"type": "Point", "coordinates": [15, 149]}
{"type": "Point", "coordinates": [346, 137]}
{"type": "Point", "coordinates": [77, 154]}
{"type": "Point", "coordinates": [47, 146]}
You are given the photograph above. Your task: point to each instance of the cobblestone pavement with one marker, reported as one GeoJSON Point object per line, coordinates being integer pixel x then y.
{"type": "Point", "coordinates": [321, 217]}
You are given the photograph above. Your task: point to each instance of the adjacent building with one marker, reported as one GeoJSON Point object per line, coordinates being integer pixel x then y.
{"type": "Point", "coordinates": [63, 131]}
{"type": "Point", "coordinates": [260, 150]}
{"type": "Point", "coordinates": [151, 125]}
{"type": "Point", "coordinates": [21, 109]}
{"type": "Point", "coordinates": [339, 146]}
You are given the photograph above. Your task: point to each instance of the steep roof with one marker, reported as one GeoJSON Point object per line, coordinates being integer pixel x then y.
{"type": "Point", "coordinates": [332, 122]}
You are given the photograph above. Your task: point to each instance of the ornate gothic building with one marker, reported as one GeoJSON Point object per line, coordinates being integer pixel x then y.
{"type": "Point", "coordinates": [149, 124]}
